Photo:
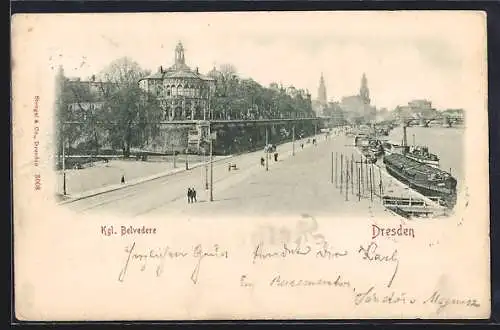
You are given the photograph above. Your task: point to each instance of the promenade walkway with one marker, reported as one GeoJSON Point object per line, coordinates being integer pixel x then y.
{"type": "Point", "coordinates": [299, 184]}
{"type": "Point", "coordinates": [104, 177]}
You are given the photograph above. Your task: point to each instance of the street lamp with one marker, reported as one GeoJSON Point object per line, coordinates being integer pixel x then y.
{"type": "Point", "coordinates": [211, 166]}
{"type": "Point", "coordinates": [64, 166]}
{"type": "Point", "coordinates": [206, 167]}
{"type": "Point", "coordinates": [267, 152]}
{"type": "Point", "coordinates": [173, 155]}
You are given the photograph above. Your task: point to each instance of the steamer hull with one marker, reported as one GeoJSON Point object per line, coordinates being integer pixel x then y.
{"type": "Point", "coordinates": [425, 179]}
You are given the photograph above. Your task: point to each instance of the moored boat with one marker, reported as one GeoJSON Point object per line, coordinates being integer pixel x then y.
{"type": "Point", "coordinates": [421, 154]}
{"type": "Point", "coordinates": [390, 148]}
{"type": "Point", "coordinates": [375, 148]}
{"type": "Point", "coordinates": [428, 180]}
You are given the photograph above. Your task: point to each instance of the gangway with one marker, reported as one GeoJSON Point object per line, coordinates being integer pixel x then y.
{"type": "Point", "coordinates": [413, 207]}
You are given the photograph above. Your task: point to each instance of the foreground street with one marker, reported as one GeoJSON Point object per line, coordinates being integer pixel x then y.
{"type": "Point", "coordinates": [101, 175]}
{"type": "Point", "coordinates": [299, 184]}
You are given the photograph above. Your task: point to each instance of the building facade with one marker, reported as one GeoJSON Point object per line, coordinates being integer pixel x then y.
{"type": "Point", "coordinates": [358, 107]}
{"type": "Point", "coordinates": [183, 93]}
{"type": "Point", "coordinates": [420, 105]}
{"type": "Point", "coordinates": [416, 109]}
{"type": "Point", "coordinates": [335, 111]}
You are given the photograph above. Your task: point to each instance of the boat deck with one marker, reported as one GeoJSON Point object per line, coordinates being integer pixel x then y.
{"type": "Point", "coordinates": [414, 167]}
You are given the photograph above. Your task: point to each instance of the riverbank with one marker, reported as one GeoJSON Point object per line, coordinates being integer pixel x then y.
{"type": "Point", "coordinates": [104, 176]}
{"type": "Point", "coordinates": [107, 174]}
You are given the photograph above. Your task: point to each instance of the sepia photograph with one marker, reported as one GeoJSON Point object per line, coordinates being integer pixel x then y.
{"type": "Point", "coordinates": [342, 159]}
{"type": "Point", "coordinates": [144, 140]}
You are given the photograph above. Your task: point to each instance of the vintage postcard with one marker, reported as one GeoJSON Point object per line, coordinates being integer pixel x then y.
{"type": "Point", "coordinates": [250, 165]}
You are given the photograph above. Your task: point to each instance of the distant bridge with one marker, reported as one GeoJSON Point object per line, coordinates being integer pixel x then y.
{"type": "Point", "coordinates": [445, 120]}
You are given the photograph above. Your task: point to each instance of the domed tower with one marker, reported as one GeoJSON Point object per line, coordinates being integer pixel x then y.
{"type": "Point", "coordinates": [322, 91]}
{"type": "Point", "coordinates": [364, 92]}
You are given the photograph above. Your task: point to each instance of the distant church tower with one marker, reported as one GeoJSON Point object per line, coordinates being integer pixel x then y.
{"type": "Point", "coordinates": [179, 55]}
{"type": "Point", "coordinates": [363, 90]}
{"type": "Point", "coordinates": [322, 91]}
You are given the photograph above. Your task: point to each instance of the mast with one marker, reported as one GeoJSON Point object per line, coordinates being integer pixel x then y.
{"type": "Point", "coordinates": [404, 136]}
{"type": "Point", "coordinates": [405, 143]}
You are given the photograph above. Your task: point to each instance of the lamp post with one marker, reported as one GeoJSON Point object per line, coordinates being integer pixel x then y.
{"type": "Point", "coordinates": [293, 140]}
{"type": "Point", "coordinates": [64, 166]}
{"type": "Point", "coordinates": [205, 107]}
{"type": "Point", "coordinates": [206, 168]}
{"type": "Point", "coordinates": [267, 152]}
{"type": "Point", "coordinates": [173, 155]}
{"type": "Point", "coordinates": [211, 165]}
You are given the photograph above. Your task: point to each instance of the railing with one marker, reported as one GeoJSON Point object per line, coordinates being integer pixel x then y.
{"type": "Point", "coordinates": [407, 207]}
{"type": "Point", "coordinates": [216, 121]}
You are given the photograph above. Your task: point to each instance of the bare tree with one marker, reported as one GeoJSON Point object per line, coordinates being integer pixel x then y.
{"type": "Point", "coordinates": [124, 72]}
{"type": "Point", "coordinates": [128, 110]}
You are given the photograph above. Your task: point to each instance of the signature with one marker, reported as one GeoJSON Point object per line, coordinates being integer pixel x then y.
{"type": "Point", "coordinates": [370, 253]}
{"type": "Point", "coordinates": [158, 256]}
{"type": "Point", "coordinates": [442, 302]}
{"type": "Point", "coordinates": [372, 296]}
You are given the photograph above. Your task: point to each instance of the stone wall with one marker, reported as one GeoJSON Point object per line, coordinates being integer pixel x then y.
{"type": "Point", "coordinates": [170, 138]}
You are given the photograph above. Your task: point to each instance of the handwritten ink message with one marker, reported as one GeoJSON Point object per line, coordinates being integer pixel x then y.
{"type": "Point", "coordinates": [156, 258]}
{"type": "Point", "coordinates": [272, 248]}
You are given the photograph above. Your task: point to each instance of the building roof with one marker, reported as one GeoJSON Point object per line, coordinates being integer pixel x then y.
{"type": "Point", "coordinates": [178, 73]}
{"type": "Point", "coordinates": [352, 98]}
{"type": "Point", "coordinates": [156, 75]}
{"type": "Point", "coordinates": [183, 73]}
{"type": "Point", "coordinates": [179, 70]}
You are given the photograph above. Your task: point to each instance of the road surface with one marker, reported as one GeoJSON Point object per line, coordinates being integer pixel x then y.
{"type": "Point", "coordinates": [299, 184]}
{"type": "Point", "coordinates": [105, 174]}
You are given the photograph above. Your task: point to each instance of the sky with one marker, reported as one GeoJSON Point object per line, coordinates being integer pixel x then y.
{"type": "Point", "coordinates": [439, 56]}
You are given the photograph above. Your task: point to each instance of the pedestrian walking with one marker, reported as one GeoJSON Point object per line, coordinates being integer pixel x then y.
{"type": "Point", "coordinates": [123, 178]}
{"type": "Point", "coordinates": [194, 195]}
{"type": "Point", "coordinates": [189, 195]}
{"type": "Point", "coordinates": [275, 156]}
{"type": "Point", "coordinates": [262, 161]}
{"type": "Point", "coordinates": [302, 145]}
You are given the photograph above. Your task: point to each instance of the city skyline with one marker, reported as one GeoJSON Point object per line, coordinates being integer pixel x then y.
{"type": "Point", "coordinates": [402, 59]}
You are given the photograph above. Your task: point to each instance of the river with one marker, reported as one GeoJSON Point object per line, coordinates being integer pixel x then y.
{"type": "Point", "coordinates": [446, 143]}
